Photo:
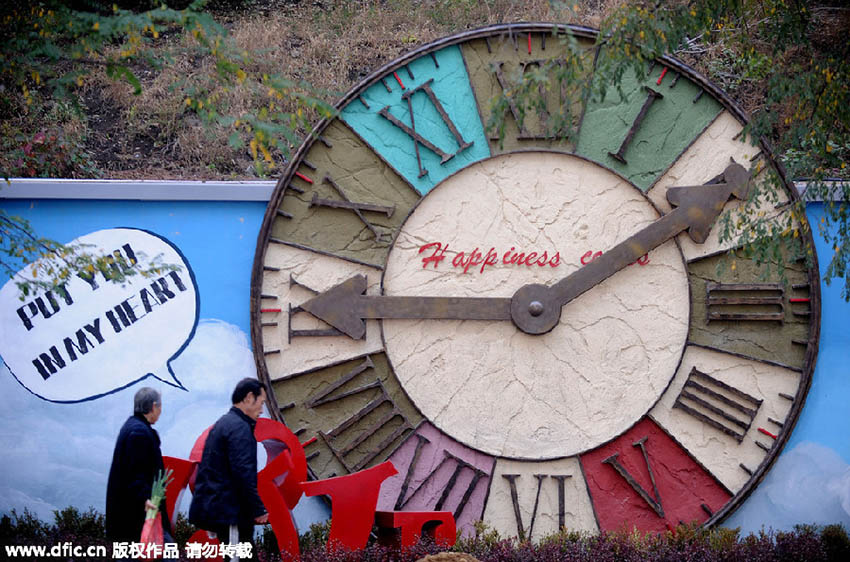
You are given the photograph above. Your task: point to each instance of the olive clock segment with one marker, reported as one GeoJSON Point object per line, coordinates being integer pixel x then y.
{"type": "Point", "coordinates": [543, 330]}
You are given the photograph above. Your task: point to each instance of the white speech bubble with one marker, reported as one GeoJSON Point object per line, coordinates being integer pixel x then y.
{"type": "Point", "coordinates": [103, 336]}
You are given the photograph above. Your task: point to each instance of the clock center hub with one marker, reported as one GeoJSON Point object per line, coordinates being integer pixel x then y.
{"type": "Point", "coordinates": [554, 382]}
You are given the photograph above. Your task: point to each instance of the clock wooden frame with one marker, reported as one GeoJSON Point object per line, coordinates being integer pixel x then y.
{"type": "Point", "coordinates": [645, 502]}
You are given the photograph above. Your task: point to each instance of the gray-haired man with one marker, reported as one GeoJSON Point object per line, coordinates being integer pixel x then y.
{"type": "Point", "coordinates": [136, 461]}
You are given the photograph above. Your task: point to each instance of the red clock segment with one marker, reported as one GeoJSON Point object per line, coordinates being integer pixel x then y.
{"type": "Point", "coordinates": [643, 478]}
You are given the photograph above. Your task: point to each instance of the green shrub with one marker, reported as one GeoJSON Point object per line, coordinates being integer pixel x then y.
{"type": "Point", "coordinates": [836, 543]}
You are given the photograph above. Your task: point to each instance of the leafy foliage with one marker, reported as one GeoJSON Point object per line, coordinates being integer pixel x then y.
{"type": "Point", "coordinates": [49, 264]}
{"type": "Point", "coordinates": [786, 61]}
{"type": "Point", "coordinates": [47, 153]}
{"type": "Point", "coordinates": [54, 46]}
{"type": "Point", "coordinates": [47, 45]}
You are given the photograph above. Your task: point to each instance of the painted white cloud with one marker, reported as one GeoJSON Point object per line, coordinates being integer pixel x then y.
{"type": "Point", "coordinates": [57, 455]}
{"type": "Point", "coordinates": [808, 484]}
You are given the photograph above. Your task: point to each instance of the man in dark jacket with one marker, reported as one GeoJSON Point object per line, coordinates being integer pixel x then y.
{"type": "Point", "coordinates": [136, 461]}
{"type": "Point", "coordinates": [226, 485]}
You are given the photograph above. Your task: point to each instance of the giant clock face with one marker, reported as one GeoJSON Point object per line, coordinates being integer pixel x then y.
{"type": "Point", "coordinates": [542, 332]}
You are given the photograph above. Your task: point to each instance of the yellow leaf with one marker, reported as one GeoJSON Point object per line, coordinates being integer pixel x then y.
{"type": "Point", "coordinates": [266, 154]}
{"type": "Point", "coordinates": [253, 145]}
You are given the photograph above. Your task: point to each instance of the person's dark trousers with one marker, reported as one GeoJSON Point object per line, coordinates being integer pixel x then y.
{"type": "Point", "coordinates": [246, 534]}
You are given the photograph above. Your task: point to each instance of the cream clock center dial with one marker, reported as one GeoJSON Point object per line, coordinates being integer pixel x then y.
{"type": "Point", "coordinates": [615, 348]}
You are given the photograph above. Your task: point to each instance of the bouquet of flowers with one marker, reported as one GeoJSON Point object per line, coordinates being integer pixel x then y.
{"type": "Point", "coordinates": [152, 529]}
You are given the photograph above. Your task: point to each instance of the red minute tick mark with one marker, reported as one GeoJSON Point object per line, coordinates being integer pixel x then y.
{"type": "Point", "coordinates": [766, 432]}
{"type": "Point", "coordinates": [400, 83]}
{"type": "Point", "coordinates": [660, 78]}
{"type": "Point", "coordinates": [303, 177]}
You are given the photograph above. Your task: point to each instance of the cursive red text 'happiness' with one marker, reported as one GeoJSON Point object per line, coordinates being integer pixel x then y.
{"type": "Point", "coordinates": [436, 253]}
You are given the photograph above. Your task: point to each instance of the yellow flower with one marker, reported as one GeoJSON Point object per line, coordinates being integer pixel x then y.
{"type": "Point", "coordinates": [96, 25]}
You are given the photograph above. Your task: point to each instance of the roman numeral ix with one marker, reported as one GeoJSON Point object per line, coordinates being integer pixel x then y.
{"type": "Point", "coordinates": [345, 439]}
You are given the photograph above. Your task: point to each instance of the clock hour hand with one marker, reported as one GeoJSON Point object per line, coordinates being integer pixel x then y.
{"type": "Point", "coordinates": [536, 309]}
{"type": "Point", "coordinates": [346, 307]}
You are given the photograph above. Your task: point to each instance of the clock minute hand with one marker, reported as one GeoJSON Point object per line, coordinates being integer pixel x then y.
{"type": "Point", "coordinates": [536, 309]}
{"type": "Point", "coordinates": [696, 208]}
{"type": "Point", "coordinates": [345, 307]}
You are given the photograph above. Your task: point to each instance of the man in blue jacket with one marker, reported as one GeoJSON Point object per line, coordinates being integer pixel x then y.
{"type": "Point", "coordinates": [136, 461]}
{"type": "Point", "coordinates": [226, 485]}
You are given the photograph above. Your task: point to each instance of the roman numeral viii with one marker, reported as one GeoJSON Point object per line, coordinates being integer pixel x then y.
{"type": "Point", "coordinates": [345, 439]}
{"type": "Point", "coordinates": [458, 467]}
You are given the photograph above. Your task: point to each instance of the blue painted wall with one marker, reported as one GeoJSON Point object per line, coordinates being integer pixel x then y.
{"type": "Point", "coordinates": [58, 454]}
{"type": "Point", "coordinates": [810, 482]}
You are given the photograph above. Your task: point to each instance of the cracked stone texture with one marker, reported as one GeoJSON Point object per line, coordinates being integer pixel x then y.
{"type": "Point", "coordinates": [318, 272]}
{"type": "Point", "coordinates": [452, 88]}
{"type": "Point", "coordinates": [364, 178]}
{"type": "Point", "coordinates": [718, 452]}
{"type": "Point", "coordinates": [669, 127]}
{"type": "Point", "coordinates": [513, 52]}
{"type": "Point", "coordinates": [578, 512]}
{"type": "Point", "coordinates": [683, 486]}
{"type": "Point", "coordinates": [508, 393]}
{"type": "Point", "coordinates": [425, 489]}
{"type": "Point", "coordinates": [707, 157]}
{"type": "Point", "coordinates": [766, 340]}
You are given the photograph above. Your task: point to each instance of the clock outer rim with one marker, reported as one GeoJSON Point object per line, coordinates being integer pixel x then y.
{"type": "Point", "coordinates": [585, 32]}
